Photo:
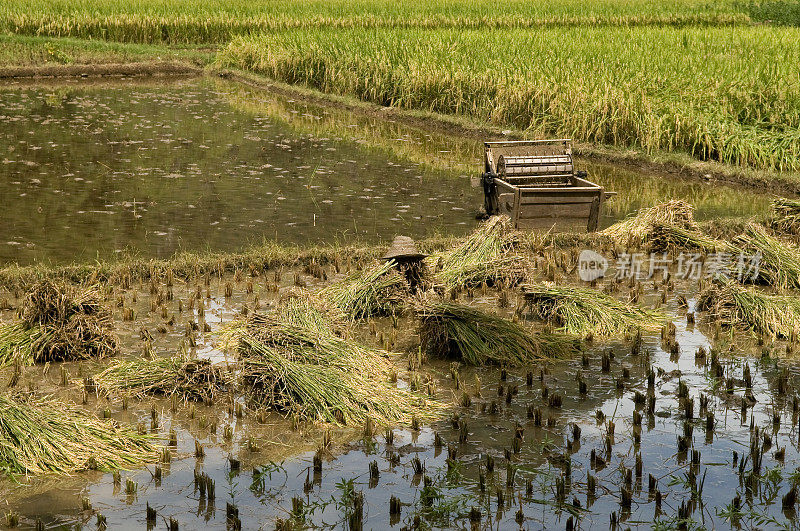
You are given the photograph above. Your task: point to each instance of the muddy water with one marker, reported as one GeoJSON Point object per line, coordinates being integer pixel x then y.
{"type": "Point", "coordinates": [90, 171]}
{"type": "Point", "coordinates": [100, 170]}
{"type": "Point", "coordinates": [278, 467]}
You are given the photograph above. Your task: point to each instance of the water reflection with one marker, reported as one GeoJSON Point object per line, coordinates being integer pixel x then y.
{"type": "Point", "coordinates": [89, 171]}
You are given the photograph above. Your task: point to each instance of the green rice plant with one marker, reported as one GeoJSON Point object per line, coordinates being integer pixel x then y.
{"type": "Point", "coordinates": [188, 379]}
{"type": "Point", "coordinates": [299, 360]}
{"type": "Point", "coordinates": [46, 436]}
{"type": "Point", "coordinates": [484, 257]}
{"type": "Point", "coordinates": [478, 338]}
{"type": "Point", "coordinates": [738, 306]}
{"type": "Point", "coordinates": [306, 331]}
{"type": "Point", "coordinates": [305, 311]}
{"type": "Point", "coordinates": [583, 311]}
{"type": "Point", "coordinates": [716, 94]}
{"type": "Point", "coordinates": [375, 291]}
{"type": "Point", "coordinates": [17, 342]}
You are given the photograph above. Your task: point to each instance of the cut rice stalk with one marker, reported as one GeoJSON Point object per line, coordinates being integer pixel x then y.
{"type": "Point", "coordinates": [786, 215]}
{"type": "Point", "coordinates": [738, 306]}
{"type": "Point", "coordinates": [483, 257]}
{"type": "Point", "coordinates": [668, 237]}
{"type": "Point", "coordinates": [45, 436]}
{"type": "Point", "coordinates": [583, 311]}
{"type": "Point", "coordinates": [189, 379]}
{"type": "Point", "coordinates": [779, 264]}
{"type": "Point", "coordinates": [478, 338]}
{"type": "Point", "coordinates": [296, 361]}
{"type": "Point", "coordinates": [60, 323]}
{"type": "Point", "coordinates": [635, 230]}
{"type": "Point", "coordinates": [375, 291]}
{"type": "Point", "coordinates": [330, 393]}
{"type": "Point", "coordinates": [17, 342]}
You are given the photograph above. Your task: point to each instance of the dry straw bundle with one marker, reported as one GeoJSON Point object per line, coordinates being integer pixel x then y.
{"type": "Point", "coordinates": [59, 323]}
{"type": "Point", "coordinates": [450, 330]}
{"type": "Point", "coordinates": [583, 311]}
{"type": "Point", "coordinates": [45, 436]}
{"type": "Point", "coordinates": [637, 229]}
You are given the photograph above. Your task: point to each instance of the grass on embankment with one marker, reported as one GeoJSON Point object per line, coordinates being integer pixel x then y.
{"type": "Point", "coordinates": [258, 258]}
{"type": "Point", "coordinates": [18, 50]}
{"type": "Point", "coordinates": [217, 21]}
{"type": "Point", "coordinates": [716, 94]}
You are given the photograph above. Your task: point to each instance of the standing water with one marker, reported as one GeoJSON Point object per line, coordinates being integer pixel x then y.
{"type": "Point", "coordinates": [197, 164]}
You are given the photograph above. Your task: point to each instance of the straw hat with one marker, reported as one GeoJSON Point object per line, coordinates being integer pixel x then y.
{"type": "Point", "coordinates": [403, 247]}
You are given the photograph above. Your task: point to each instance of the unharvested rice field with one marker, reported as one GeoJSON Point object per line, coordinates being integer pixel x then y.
{"type": "Point", "coordinates": [216, 21]}
{"type": "Point", "coordinates": [709, 80]}
{"type": "Point", "coordinates": [726, 94]}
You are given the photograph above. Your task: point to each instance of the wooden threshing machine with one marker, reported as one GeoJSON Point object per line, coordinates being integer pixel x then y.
{"type": "Point", "coordinates": [535, 183]}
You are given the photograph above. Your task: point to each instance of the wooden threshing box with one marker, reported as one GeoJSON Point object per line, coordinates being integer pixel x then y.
{"type": "Point", "coordinates": [535, 183]}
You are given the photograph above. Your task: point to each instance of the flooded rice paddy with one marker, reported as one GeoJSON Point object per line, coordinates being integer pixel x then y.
{"type": "Point", "coordinates": [96, 170]}
{"type": "Point", "coordinates": [515, 453]}
{"type": "Point", "coordinates": [198, 164]}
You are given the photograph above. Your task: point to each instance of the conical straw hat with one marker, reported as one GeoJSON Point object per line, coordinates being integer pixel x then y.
{"type": "Point", "coordinates": [403, 247]}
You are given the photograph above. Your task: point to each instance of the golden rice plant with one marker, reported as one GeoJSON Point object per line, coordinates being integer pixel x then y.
{"type": "Point", "coordinates": [749, 308]}
{"type": "Point", "coordinates": [583, 311]}
{"type": "Point", "coordinates": [649, 89]}
{"type": "Point", "coordinates": [39, 436]}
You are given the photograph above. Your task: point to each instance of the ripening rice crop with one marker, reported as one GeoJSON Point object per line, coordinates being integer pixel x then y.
{"type": "Point", "coordinates": [217, 21]}
{"type": "Point", "coordinates": [719, 94]}
{"type": "Point", "coordinates": [45, 436]}
{"type": "Point", "coordinates": [583, 311]}
{"type": "Point", "coordinates": [449, 330]}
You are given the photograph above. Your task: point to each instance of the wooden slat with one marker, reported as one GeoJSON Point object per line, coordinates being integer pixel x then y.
{"type": "Point", "coordinates": [504, 186]}
{"type": "Point", "coordinates": [530, 190]}
{"type": "Point", "coordinates": [506, 203]}
{"type": "Point", "coordinates": [556, 199]}
{"type": "Point", "coordinates": [594, 214]}
{"type": "Point", "coordinates": [548, 223]}
{"type": "Point", "coordinates": [553, 211]}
